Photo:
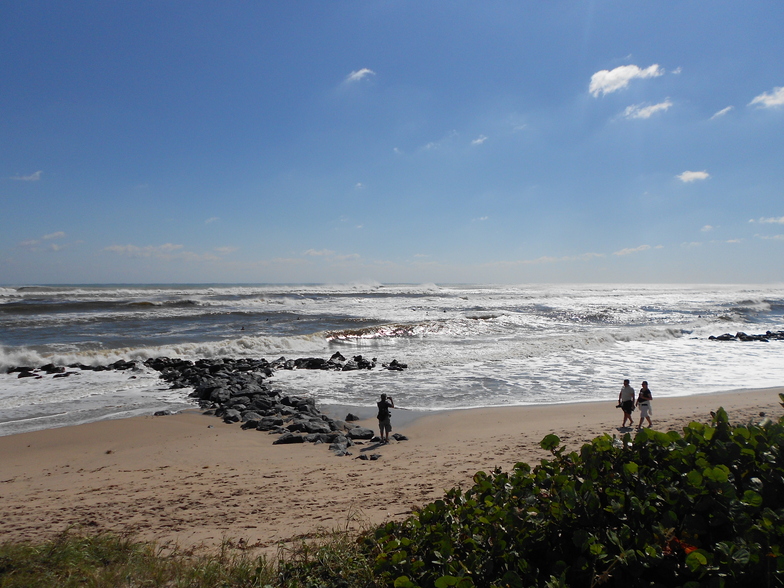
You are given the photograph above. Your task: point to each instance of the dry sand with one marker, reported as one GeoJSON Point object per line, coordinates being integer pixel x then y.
{"type": "Point", "coordinates": [192, 480]}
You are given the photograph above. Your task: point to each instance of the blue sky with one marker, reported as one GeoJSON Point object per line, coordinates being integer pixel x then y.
{"type": "Point", "coordinates": [391, 141]}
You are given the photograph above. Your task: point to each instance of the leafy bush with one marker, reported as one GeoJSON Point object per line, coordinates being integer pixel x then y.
{"type": "Point", "coordinates": [705, 508]}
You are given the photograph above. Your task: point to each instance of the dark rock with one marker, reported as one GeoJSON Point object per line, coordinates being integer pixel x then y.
{"type": "Point", "coordinates": [220, 395]}
{"type": "Point", "coordinates": [360, 433]}
{"type": "Point", "coordinates": [288, 438]}
{"type": "Point", "coordinates": [352, 417]}
{"type": "Point", "coordinates": [162, 413]}
{"type": "Point", "coordinates": [50, 368]}
{"type": "Point", "coordinates": [231, 416]}
{"type": "Point", "coordinates": [350, 366]}
{"type": "Point", "coordinates": [269, 423]}
{"type": "Point", "coordinates": [399, 437]}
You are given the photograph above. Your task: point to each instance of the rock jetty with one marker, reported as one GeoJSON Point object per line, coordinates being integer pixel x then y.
{"type": "Point", "coordinates": [237, 391]}
{"type": "Point", "coordinates": [740, 336]}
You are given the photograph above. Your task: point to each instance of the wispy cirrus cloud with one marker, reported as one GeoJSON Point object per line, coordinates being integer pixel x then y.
{"type": "Point", "coordinates": [693, 176]}
{"type": "Point", "coordinates": [769, 100]}
{"type": "Point", "coordinates": [166, 252]}
{"type": "Point", "coordinates": [479, 140]}
{"type": "Point", "coordinates": [707, 228]}
{"type": "Point", "coordinates": [722, 112]}
{"type": "Point", "coordinates": [646, 111]}
{"type": "Point", "coordinates": [37, 245]}
{"type": "Point", "coordinates": [167, 249]}
{"type": "Point", "coordinates": [34, 177]}
{"type": "Point", "coordinates": [772, 220]}
{"type": "Point", "coordinates": [319, 252]}
{"type": "Point", "coordinates": [630, 251]}
{"type": "Point", "coordinates": [608, 81]}
{"type": "Point", "coordinates": [546, 259]}
{"type": "Point", "coordinates": [358, 75]}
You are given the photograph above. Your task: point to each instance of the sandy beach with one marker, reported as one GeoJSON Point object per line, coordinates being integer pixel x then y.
{"type": "Point", "coordinates": [192, 480]}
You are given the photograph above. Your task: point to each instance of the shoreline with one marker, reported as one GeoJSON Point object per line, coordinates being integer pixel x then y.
{"type": "Point", "coordinates": [192, 480]}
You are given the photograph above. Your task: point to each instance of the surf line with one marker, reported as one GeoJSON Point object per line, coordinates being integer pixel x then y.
{"type": "Point", "coordinates": [45, 416]}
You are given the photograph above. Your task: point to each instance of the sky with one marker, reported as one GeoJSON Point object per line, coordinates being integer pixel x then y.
{"type": "Point", "coordinates": [391, 142]}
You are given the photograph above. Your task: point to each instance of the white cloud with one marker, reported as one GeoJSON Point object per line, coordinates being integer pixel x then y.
{"type": "Point", "coordinates": [359, 186]}
{"type": "Point", "coordinates": [434, 145]}
{"type": "Point", "coordinates": [226, 250]}
{"type": "Point", "coordinates": [677, 70]}
{"type": "Point", "coordinates": [641, 111]}
{"type": "Point", "coordinates": [480, 219]}
{"type": "Point", "coordinates": [606, 81]}
{"type": "Point", "coordinates": [765, 100]}
{"type": "Point", "coordinates": [771, 237]}
{"type": "Point", "coordinates": [31, 178]}
{"type": "Point", "coordinates": [770, 221]}
{"type": "Point", "coordinates": [320, 253]}
{"type": "Point", "coordinates": [211, 220]}
{"type": "Point", "coordinates": [355, 76]}
{"type": "Point", "coordinates": [706, 228]}
{"type": "Point", "coordinates": [693, 244]}
{"type": "Point", "coordinates": [479, 140]}
{"type": "Point", "coordinates": [629, 251]}
{"type": "Point", "coordinates": [57, 235]}
{"type": "Point", "coordinates": [693, 176]}
{"type": "Point", "coordinates": [722, 112]}
{"type": "Point", "coordinates": [165, 251]}
{"type": "Point", "coordinates": [734, 240]}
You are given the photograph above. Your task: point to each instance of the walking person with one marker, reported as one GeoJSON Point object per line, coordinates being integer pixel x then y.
{"type": "Point", "coordinates": [384, 417]}
{"type": "Point", "coordinates": [626, 400]}
{"type": "Point", "coordinates": [644, 402]}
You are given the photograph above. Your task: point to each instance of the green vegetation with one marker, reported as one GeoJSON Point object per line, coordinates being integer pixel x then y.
{"type": "Point", "coordinates": [705, 508]}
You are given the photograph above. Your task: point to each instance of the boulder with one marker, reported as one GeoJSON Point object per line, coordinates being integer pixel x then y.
{"type": "Point", "coordinates": [232, 416]}
{"type": "Point", "coordinates": [288, 438]}
{"type": "Point", "coordinates": [360, 433]}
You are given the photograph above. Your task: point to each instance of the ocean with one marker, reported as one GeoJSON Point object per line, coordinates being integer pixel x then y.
{"type": "Point", "coordinates": [465, 345]}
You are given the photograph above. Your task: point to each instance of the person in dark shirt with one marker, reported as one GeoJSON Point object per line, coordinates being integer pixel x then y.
{"type": "Point", "coordinates": [384, 417]}
{"type": "Point", "coordinates": [644, 403]}
{"type": "Point", "coordinates": [626, 400]}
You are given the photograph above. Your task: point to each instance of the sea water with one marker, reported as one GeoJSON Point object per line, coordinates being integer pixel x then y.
{"type": "Point", "coordinates": [465, 346]}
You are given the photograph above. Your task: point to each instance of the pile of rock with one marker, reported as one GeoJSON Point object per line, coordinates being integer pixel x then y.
{"type": "Point", "coordinates": [236, 391]}
{"type": "Point", "coordinates": [768, 336]}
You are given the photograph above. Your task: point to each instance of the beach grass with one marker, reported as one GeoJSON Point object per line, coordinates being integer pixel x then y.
{"type": "Point", "coordinates": [105, 560]}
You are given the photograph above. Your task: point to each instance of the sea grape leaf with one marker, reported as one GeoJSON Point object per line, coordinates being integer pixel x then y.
{"type": "Point", "coordinates": [550, 442]}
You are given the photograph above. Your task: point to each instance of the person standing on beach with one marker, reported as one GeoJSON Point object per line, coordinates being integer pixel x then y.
{"type": "Point", "coordinates": [384, 417]}
{"type": "Point", "coordinates": [626, 400]}
{"type": "Point", "coordinates": [644, 402]}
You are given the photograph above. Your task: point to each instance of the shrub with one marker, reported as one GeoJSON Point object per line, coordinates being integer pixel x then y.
{"type": "Point", "coordinates": [705, 508]}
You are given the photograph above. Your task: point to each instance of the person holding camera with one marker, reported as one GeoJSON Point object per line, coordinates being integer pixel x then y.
{"type": "Point", "coordinates": [626, 402]}
{"type": "Point", "coordinates": [384, 417]}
